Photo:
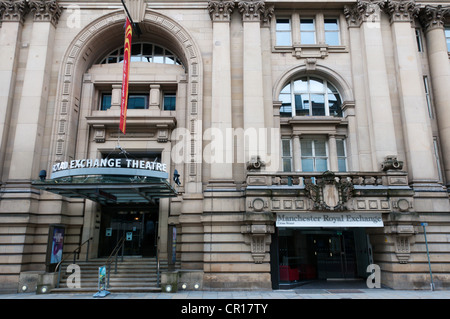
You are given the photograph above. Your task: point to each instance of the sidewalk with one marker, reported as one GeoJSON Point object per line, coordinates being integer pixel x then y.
{"type": "Point", "coordinates": [381, 293]}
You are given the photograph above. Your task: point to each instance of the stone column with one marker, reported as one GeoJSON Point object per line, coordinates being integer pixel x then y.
{"type": "Point", "coordinates": [296, 153]}
{"type": "Point", "coordinates": [366, 16]}
{"type": "Point", "coordinates": [12, 15]}
{"type": "Point", "coordinates": [221, 111]}
{"type": "Point", "coordinates": [432, 19]}
{"type": "Point", "coordinates": [27, 144]}
{"type": "Point", "coordinates": [116, 94]}
{"type": "Point", "coordinates": [252, 11]}
{"type": "Point", "coordinates": [334, 167]}
{"type": "Point", "coordinates": [421, 163]}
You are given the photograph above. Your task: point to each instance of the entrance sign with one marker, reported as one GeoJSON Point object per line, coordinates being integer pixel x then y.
{"type": "Point", "coordinates": [324, 219]}
{"type": "Point", "coordinates": [110, 166]}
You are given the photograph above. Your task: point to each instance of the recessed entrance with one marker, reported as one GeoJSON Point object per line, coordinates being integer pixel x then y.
{"type": "Point", "coordinates": [138, 225]}
{"type": "Point", "coordinates": [309, 254]}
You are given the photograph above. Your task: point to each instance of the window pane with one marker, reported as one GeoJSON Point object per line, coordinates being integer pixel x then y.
{"type": "Point", "coordinates": [286, 106]}
{"type": "Point", "coordinates": [302, 104]}
{"type": "Point", "coordinates": [137, 102]}
{"type": "Point", "coordinates": [286, 89]}
{"type": "Point", "coordinates": [159, 50]}
{"type": "Point", "coordinates": [331, 25]}
{"type": "Point", "coordinates": [287, 166]}
{"type": "Point", "coordinates": [342, 166]}
{"type": "Point", "coordinates": [283, 38]}
{"type": "Point", "coordinates": [106, 102]}
{"type": "Point", "coordinates": [307, 165]}
{"type": "Point", "coordinates": [316, 85]}
{"type": "Point", "coordinates": [340, 147]}
{"type": "Point", "coordinates": [307, 24]}
{"type": "Point", "coordinates": [321, 165]}
{"type": "Point", "coordinates": [147, 49]}
{"type": "Point", "coordinates": [286, 146]}
{"type": "Point", "coordinates": [307, 38]}
{"type": "Point", "coordinates": [301, 86]}
{"type": "Point", "coordinates": [320, 148]}
{"type": "Point", "coordinates": [318, 104]}
{"type": "Point", "coordinates": [332, 38]}
{"type": "Point", "coordinates": [136, 49]}
{"type": "Point", "coordinates": [158, 59]}
{"type": "Point", "coordinates": [283, 25]}
{"type": "Point", "coordinates": [306, 147]}
{"type": "Point", "coordinates": [169, 102]}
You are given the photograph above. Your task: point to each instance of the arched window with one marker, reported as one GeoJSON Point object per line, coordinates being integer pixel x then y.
{"type": "Point", "coordinates": [310, 96]}
{"type": "Point", "coordinates": [143, 52]}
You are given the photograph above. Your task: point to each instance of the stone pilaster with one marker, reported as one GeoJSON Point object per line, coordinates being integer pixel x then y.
{"type": "Point", "coordinates": [413, 107]}
{"type": "Point", "coordinates": [365, 15]}
{"type": "Point", "coordinates": [432, 19]}
{"type": "Point", "coordinates": [28, 137]}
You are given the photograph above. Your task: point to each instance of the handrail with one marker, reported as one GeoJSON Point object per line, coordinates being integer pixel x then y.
{"type": "Point", "coordinates": [113, 254]}
{"type": "Point", "coordinates": [78, 249]}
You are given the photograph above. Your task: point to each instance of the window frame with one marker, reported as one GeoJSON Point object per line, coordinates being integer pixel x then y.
{"type": "Point", "coordinates": [293, 93]}
{"type": "Point", "coordinates": [315, 157]}
{"type": "Point", "coordinates": [314, 31]}
{"type": "Point", "coordinates": [287, 157]}
{"type": "Point", "coordinates": [278, 32]}
{"type": "Point", "coordinates": [338, 31]}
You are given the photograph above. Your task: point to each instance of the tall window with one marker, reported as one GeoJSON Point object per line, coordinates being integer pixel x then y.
{"type": "Point", "coordinates": [307, 31]}
{"type": "Point", "coordinates": [332, 32]}
{"type": "Point", "coordinates": [341, 155]}
{"type": "Point", "coordinates": [447, 37]}
{"type": "Point", "coordinates": [314, 155]}
{"type": "Point", "coordinates": [143, 52]}
{"type": "Point", "coordinates": [283, 31]}
{"type": "Point", "coordinates": [169, 101]}
{"type": "Point", "coordinates": [310, 96]}
{"type": "Point", "coordinates": [427, 95]}
{"type": "Point", "coordinates": [286, 149]}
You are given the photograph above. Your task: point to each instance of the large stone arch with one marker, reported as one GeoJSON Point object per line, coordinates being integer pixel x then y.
{"type": "Point", "coordinates": [91, 44]}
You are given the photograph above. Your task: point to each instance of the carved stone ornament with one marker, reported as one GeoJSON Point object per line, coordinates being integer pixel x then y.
{"type": "Point", "coordinates": [363, 11]}
{"type": "Point", "coordinates": [220, 10]}
{"type": "Point", "coordinates": [391, 163]}
{"type": "Point", "coordinates": [433, 16]}
{"type": "Point", "coordinates": [46, 10]}
{"type": "Point", "coordinates": [13, 10]}
{"type": "Point", "coordinates": [255, 164]}
{"type": "Point", "coordinates": [402, 10]}
{"type": "Point", "coordinates": [329, 193]}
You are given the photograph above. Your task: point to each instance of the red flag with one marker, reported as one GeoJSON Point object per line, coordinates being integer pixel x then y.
{"type": "Point", "coordinates": [125, 77]}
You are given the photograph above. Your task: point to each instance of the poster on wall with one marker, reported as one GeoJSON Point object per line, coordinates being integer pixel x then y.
{"type": "Point", "coordinates": [55, 246]}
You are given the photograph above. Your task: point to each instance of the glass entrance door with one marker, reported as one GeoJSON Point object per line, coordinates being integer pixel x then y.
{"type": "Point", "coordinates": [139, 227]}
{"type": "Point", "coordinates": [319, 254]}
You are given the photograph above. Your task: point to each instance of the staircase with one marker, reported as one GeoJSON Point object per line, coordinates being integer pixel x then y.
{"type": "Point", "coordinates": [134, 274]}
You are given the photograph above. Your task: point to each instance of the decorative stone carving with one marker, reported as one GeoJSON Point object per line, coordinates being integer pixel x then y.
{"type": "Point", "coordinates": [13, 10]}
{"type": "Point", "coordinates": [363, 11]}
{"type": "Point", "coordinates": [99, 133]}
{"type": "Point", "coordinates": [44, 10]}
{"type": "Point", "coordinates": [257, 229]}
{"type": "Point", "coordinates": [255, 10]}
{"type": "Point", "coordinates": [402, 249]}
{"type": "Point", "coordinates": [391, 162]}
{"type": "Point", "coordinates": [402, 10]}
{"type": "Point", "coordinates": [220, 10]}
{"type": "Point", "coordinates": [255, 163]}
{"type": "Point", "coordinates": [328, 193]}
{"type": "Point", "coordinates": [433, 16]}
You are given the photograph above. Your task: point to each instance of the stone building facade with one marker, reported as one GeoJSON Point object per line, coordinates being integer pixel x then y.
{"type": "Point", "coordinates": [312, 139]}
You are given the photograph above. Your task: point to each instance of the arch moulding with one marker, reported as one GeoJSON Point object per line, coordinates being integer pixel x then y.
{"type": "Point", "coordinates": [81, 54]}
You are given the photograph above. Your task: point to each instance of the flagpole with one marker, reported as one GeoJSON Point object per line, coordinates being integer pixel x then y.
{"type": "Point", "coordinates": [134, 25]}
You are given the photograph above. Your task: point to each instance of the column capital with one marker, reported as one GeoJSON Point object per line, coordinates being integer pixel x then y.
{"type": "Point", "coordinates": [44, 10]}
{"type": "Point", "coordinates": [363, 11]}
{"type": "Point", "coordinates": [402, 10]}
{"type": "Point", "coordinates": [255, 10]}
{"type": "Point", "coordinates": [433, 16]}
{"type": "Point", "coordinates": [13, 10]}
{"type": "Point", "coordinates": [220, 10]}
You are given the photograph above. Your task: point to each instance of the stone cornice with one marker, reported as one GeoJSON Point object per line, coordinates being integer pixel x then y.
{"type": "Point", "coordinates": [433, 16]}
{"type": "Point", "coordinates": [220, 10]}
{"type": "Point", "coordinates": [13, 11]}
{"type": "Point", "coordinates": [44, 10]}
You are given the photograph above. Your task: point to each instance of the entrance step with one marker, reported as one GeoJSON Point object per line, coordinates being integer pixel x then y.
{"type": "Point", "coordinates": [133, 275]}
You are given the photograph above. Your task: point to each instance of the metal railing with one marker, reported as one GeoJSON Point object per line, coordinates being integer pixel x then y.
{"type": "Point", "coordinates": [114, 256]}
{"type": "Point", "coordinates": [76, 255]}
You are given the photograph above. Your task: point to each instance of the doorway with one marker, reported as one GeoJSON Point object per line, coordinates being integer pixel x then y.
{"type": "Point", "coordinates": [312, 254]}
{"type": "Point", "coordinates": [139, 226]}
